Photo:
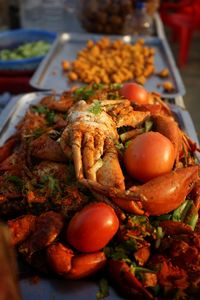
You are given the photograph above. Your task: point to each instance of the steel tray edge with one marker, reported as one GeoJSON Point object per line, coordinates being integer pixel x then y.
{"type": "Point", "coordinates": [7, 114]}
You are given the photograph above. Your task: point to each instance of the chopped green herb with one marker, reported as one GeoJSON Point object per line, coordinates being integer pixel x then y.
{"type": "Point", "coordinates": [193, 220]}
{"type": "Point", "coordinates": [37, 132]}
{"type": "Point", "coordinates": [192, 216]}
{"type": "Point", "coordinates": [122, 251]}
{"type": "Point", "coordinates": [180, 213]}
{"type": "Point", "coordinates": [112, 96]}
{"type": "Point", "coordinates": [162, 217]}
{"type": "Point", "coordinates": [49, 114]}
{"type": "Point", "coordinates": [148, 124]}
{"type": "Point", "coordinates": [103, 289]}
{"type": "Point", "coordinates": [98, 86]}
{"type": "Point", "coordinates": [119, 146]}
{"type": "Point", "coordinates": [79, 91]}
{"type": "Point", "coordinates": [95, 107]}
{"type": "Point", "coordinates": [126, 144]}
{"type": "Point", "coordinates": [135, 269]}
{"type": "Point", "coordinates": [138, 219]}
{"type": "Point", "coordinates": [53, 183]}
{"type": "Point", "coordinates": [65, 116]}
{"type": "Point", "coordinates": [40, 109]}
{"type": "Point", "coordinates": [83, 93]}
{"type": "Point", "coordinates": [116, 86]}
{"type": "Point", "coordinates": [159, 236]}
{"type": "Point", "coordinates": [50, 117]}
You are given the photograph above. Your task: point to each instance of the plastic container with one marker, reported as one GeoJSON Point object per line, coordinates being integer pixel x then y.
{"type": "Point", "coordinates": [13, 38]}
{"type": "Point", "coordinates": [54, 15]}
{"type": "Point", "coordinates": [140, 23]}
{"type": "Point", "coordinates": [110, 16]}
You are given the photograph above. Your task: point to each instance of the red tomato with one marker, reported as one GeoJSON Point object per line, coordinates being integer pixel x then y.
{"type": "Point", "coordinates": [93, 227]}
{"type": "Point", "coordinates": [149, 155]}
{"type": "Point", "coordinates": [135, 93]}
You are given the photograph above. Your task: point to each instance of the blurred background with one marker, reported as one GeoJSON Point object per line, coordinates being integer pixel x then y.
{"type": "Point", "coordinates": [181, 21]}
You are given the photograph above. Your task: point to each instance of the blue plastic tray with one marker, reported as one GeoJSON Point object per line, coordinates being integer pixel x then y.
{"type": "Point", "coordinates": [13, 38]}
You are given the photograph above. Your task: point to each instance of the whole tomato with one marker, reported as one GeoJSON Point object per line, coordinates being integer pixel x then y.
{"type": "Point", "coordinates": [134, 92]}
{"type": "Point", "coordinates": [149, 155]}
{"type": "Point", "coordinates": [92, 228]}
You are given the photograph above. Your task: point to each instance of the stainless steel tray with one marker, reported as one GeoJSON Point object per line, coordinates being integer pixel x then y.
{"type": "Point", "coordinates": [16, 108]}
{"type": "Point", "coordinates": [55, 288]}
{"type": "Point", "coordinates": [49, 74]}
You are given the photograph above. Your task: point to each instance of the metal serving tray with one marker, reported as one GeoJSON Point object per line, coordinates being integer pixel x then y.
{"type": "Point", "coordinates": [49, 74]}
{"type": "Point", "coordinates": [58, 288]}
{"type": "Point", "coordinates": [17, 107]}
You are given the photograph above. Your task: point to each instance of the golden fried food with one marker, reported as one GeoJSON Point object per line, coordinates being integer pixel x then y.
{"type": "Point", "coordinates": [109, 61]}
{"type": "Point", "coordinates": [163, 73]}
{"type": "Point", "coordinates": [167, 86]}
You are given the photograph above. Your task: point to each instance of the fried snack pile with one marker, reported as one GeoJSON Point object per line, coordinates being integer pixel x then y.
{"type": "Point", "coordinates": [109, 61]}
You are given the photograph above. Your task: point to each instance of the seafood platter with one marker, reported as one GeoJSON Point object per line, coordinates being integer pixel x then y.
{"type": "Point", "coordinates": [88, 58]}
{"type": "Point", "coordinates": [100, 189]}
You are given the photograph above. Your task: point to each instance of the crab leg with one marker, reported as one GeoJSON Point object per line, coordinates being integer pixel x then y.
{"type": "Point", "coordinates": [111, 168]}
{"type": "Point", "coordinates": [76, 152]}
{"type": "Point", "coordinates": [88, 156]}
{"type": "Point", "coordinates": [47, 227]}
{"type": "Point", "coordinates": [157, 196]}
{"type": "Point", "coordinates": [129, 204]}
{"type": "Point", "coordinates": [21, 228]}
{"type": "Point", "coordinates": [74, 266]}
{"type": "Point", "coordinates": [121, 274]}
{"type": "Point", "coordinates": [165, 193]}
{"type": "Point", "coordinates": [169, 128]}
{"type": "Point", "coordinates": [98, 145]}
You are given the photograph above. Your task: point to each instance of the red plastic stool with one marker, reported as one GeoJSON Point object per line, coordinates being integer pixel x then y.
{"type": "Point", "coordinates": [183, 20]}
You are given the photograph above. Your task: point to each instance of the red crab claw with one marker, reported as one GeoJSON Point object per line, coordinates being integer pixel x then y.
{"type": "Point", "coordinates": [21, 228]}
{"type": "Point", "coordinates": [47, 227]}
{"type": "Point", "coordinates": [158, 196]}
{"type": "Point", "coordinates": [7, 148]}
{"type": "Point", "coordinates": [120, 272]}
{"type": "Point", "coordinates": [44, 147]}
{"type": "Point", "coordinates": [64, 262]}
{"type": "Point", "coordinates": [183, 145]}
{"type": "Point", "coordinates": [173, 228]}
{"type": "Point", "coordinates": [195, 194]}
{"type": "Point", "coordinates": [165, 193]}
{"type": "Point", "coordinates": [169, 128]}
{"type": "Point", "coordinates": [61, 105]}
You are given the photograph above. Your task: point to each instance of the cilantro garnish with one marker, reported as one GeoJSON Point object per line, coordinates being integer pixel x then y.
{"type": "Point", "coordinates": [122, 251]}
{"type": "Point", "coordinates": [40, 109]}
{"type": "Point", "coordinates": [53, 183]}
{"type": "Point", "coordinates": [37, 132]}
{"type": "Point", "coordinates": [115, 86]}
{"type": "Point", "coordinates": [49, 114]}
{"type": "Point", "coordinates": [98, 86]}
{"type": "Point", "coordinates": [95, 108]}
{"type": "Point", "coordinates": [83, 93]}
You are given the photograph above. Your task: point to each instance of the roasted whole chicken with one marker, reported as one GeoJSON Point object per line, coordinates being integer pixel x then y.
{"type": "Point", "coordinates": [98, 179]}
